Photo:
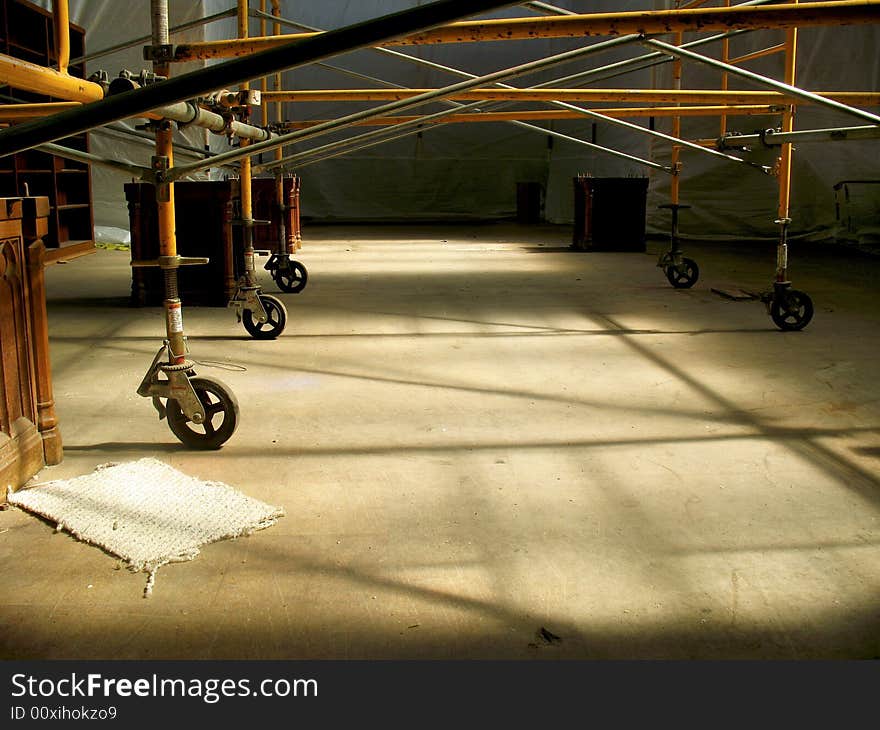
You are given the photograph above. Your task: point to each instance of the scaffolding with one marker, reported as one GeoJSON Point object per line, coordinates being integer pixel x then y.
{"type": "Point", "coordinates": [202, 98]}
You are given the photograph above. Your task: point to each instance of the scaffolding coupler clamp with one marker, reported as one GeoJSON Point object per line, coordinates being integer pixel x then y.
{"type": "Point", "coordinates": [160, 53]}
{"type": "Point", "coordinates": [170, 262]}
{"type": "Point", "coordinates": [159, 166]}
{"type": "Point", "coordinates": [249, 222]}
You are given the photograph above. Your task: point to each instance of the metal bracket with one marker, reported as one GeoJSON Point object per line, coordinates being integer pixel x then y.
{"type": "Point", "coordinates": [170, 262]}
{"type": "Point", "coordinates": [176, 386]}
{"type": "Point", "coordinates": [159, 165]}
{"type": "Point", "coordinates": [101, 78]}
{"type": "Point", "coordinates": [248, 222]}
{"type": "Point", "coordinates": [278, 262]}
{"type": "Point", "coordinates": [248, 298]}
{"type": "Point", "coordinates": [163, 53]}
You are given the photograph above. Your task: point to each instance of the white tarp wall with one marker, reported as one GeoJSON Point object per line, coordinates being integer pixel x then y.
{"type": "Point", "coordinates": [471, 171]}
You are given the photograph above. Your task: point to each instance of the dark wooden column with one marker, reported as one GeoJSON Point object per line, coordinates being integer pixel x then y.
{"type": "Point", "coordinates": [21, 448]}
{"type": "Point", "coordinates": [34, 227]}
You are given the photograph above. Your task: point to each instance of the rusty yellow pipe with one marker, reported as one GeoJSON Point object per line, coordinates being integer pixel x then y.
{"type": "Point", "coordinates": [675, 158]}
{"type": "Point", "coordinates": [245, 184]}
{"type": "Point", "coordinates": [264, 82]}
{"type": "Point", "coordinates": [27, 76]}
{"type": "Point", "coordinates": [648, 96]}
{"type": "Point", "coordinates": [556, 114]}
{"type": "Point", "coordinates": [843, 12]}
{"type": "Point", "coordinates": [787, 125]}
{"type": "Point", "coordinates": [245, 181]}
{"type": "Point", "coordinates": [167, 238]}
{"type": "Point", "coordinates": [61, 15]}
{"type": "Point", "coordinates": [725, 80]}
{"type": "Point", "coordinates": [290, 240]}
{"type": "Point", "coordinates": [17, 112]}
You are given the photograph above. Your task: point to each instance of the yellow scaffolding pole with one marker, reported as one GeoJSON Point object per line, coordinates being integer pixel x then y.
{"type": "Point", "coordinates": [61, 15]}
{"type": "Point", "coordinates": [675, 161]}
{"type": "Point", "coordinates": [16, 112]}
{"type": "Point", "coordinates": [21, 74]}
{"type": "Point", "coordinates": [725, 57]}
{"type": "Point", "coordinates": [842, 12]}
{"type": "Point", "coordinates": [556, 114]}
{"type": "Point", "coordinates": [245, 186]}
{"type": "Point", "coordinates": [645, 96]}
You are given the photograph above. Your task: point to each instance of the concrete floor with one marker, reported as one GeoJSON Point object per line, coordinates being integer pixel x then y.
{"type": "Point", "coordinates": [477, 433]}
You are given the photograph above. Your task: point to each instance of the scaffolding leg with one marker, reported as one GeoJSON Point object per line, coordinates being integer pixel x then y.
{"type": "Point", "coordinates": [201, 412]}
{"type": "Point", "coordinates": [263, 316]}
{"type": "Point", "coordinates": [790, 309]}
{"type": "Point", "coordinates": [680, 271]}
{"type": "Point", "coordinates": [290, 275]}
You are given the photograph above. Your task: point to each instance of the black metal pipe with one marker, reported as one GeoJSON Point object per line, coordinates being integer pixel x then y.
{"type": "Point", "coordinates": [290, 55]}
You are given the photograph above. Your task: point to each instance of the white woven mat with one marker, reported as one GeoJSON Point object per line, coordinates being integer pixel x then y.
{"type": "Point", "coordinates": [146, 512]}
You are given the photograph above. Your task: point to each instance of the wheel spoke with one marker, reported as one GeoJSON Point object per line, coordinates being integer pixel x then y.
{"type": "Point", "coordinates": [214, 409]}
{"type": "Point", "coordinates": [209, 427]}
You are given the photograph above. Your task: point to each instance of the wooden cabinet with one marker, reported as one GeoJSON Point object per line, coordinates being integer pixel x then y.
{"type": "Point", "coordinates": [27, 32]}
{"type": "Point", "coordinates": [211, 231]}
{"type": "Point", "coordinates": [29, 436]}
{"type": "Point", "coordinates": [203, 222]}
{"type": "Point", "coordinates": [609, 213]}
{"type": "Point", "coordinates": [268, 237]}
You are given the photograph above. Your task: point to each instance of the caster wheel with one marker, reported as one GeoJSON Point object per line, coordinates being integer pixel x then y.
{"type": "Point", "coordinates": [221, 416]}
{"type": "Point", "coordinates": [292, 279]}
{"type": "Point", "coordinates": [792, 311]}
{"type": "Point", "coordinates": [684, 276]}
{"type": "Point", "coordinates": [273, 326]}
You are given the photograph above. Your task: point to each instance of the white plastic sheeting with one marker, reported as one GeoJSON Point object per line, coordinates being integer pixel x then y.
{"type": "Point", "coordinates": [108, 23]}
{"type": "Point", "coordinates": [472, 170]}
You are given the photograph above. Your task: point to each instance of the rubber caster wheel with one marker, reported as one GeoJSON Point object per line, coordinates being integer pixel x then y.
{"type": "Point", "coordinates": [792, 311]}
{"type": "Point", "coordinates": [221, 416]}
{"type": "Point", "coordinates": [273, 326]}
{"type": "Point", "coordinates": [684, 276]}
{"type": "Point", "coordinates": [292, 279]}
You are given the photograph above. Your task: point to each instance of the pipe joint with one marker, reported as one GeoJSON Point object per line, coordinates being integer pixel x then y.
{"type": "Point", "coordinates": [101, 78]}
{"type": "Point", "coordinates": [161, 53]}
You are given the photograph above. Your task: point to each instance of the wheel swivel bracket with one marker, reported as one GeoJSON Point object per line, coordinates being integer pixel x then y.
{"type": "Point", "coordinates": [175, 386]}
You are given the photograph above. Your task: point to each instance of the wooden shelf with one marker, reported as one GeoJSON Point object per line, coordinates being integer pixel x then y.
{"type": "Point", "coordinates": [70, 250]}
{"type": "Point", "coordinates": [27, 32]}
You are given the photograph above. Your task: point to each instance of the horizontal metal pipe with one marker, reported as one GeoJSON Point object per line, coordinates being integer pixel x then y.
{"type": "Point", "coordinates": [408, 123]}
{"type": "Point", "coordinates": [779, 48]}
{"type": "Point", "coordinates": [773, 138]}
{"type": "Point", "coordinates": [368, 140]}
{"type": "Point", "coordinates": [15, 112]}
{"type": "Point", "coordinates": [147, 38]}
{"type": "Point", "coordinates": [560, 114]}
{"type": "Point", "coordinates": [647, 96]}
{"type": "Point", "coordinates": [193, 84]}
{"type": "Point", "coordinates": [21, 74]}
{"type": "Point", "coordinates": [611, 70]}
{"type": "Point", "coordinates": [187, 113]}
{"type": "Point", "coordinates": [764, 80]}
{"type": "Point", "coordinates": [842, 12]}
{"type": "Point", "coordinates": [548, 132]}
{"type": "Point", "coordinates": [546, 9]}
{"type": "Point", "coordinates": [431, 95]}
{"type": "Point", "coordinates": [150, 139]}
{"type": "Point", "coordinates": [67, 153]}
